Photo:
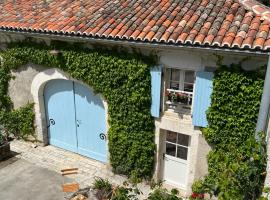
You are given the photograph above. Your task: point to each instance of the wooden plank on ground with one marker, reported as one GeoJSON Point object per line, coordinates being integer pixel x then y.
{"type": "Point", "coordinates": [69, 173]}
{"type": "Point", "coordinates": [70, 187]}
{"type": "Point", "coordinates": [69, 169]}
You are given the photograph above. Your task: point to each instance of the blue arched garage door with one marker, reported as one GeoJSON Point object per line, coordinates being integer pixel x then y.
{"type": "Point", "coordinates": [76, 119]}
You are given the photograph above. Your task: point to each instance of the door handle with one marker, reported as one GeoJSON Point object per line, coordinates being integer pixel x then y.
{"type": "Point", "coordinates": [102, 136]}
{"type": "Point", "coordinates": [51, 122]}
{"type": "Point", "coordinates": [78, 122]}
{"type": "Point", "coordinates": [163, 156]}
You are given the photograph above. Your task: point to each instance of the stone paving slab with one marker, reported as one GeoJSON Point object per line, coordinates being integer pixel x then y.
{"type": "Point", "coordinates": [55, 159]}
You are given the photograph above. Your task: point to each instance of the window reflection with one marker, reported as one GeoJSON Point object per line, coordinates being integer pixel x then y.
{"type": "Point", "coordinates": [170, 149]}
{"type": "Point", "coordinates": [171, 137]}
{"type": "Point", "coordinates": [177, 145]}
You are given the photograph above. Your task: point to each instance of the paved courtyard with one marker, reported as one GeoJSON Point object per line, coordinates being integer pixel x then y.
{"type": "Point", "coordinates": [21, 180]}
{"type": "Point", "coordinates": [54, 159]}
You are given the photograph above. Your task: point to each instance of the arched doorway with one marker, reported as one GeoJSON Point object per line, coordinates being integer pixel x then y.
{"type": "Point", "coordinates": [76, 118]}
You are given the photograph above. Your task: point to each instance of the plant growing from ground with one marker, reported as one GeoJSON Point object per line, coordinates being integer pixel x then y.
{"type": "Point", "coordinates": [103, 188]}
{"type": "Point", "coordinates": [163, 194]}
{"type": "Point", "coordinates": [125, 193]}
{"type": "Point", "coordinates": [155, 184]}
{"type": "Point", "coordinates": [18, 123]}
{"type": "Point", "coordinates": [266, 194]}
{"type": "Point", "coordinates": [198, 190]}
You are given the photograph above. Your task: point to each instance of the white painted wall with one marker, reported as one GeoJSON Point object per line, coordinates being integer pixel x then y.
{"type": "Point", "coordinates": [196, 61]}
{"type": "Point", "coordinates": [182, 60]}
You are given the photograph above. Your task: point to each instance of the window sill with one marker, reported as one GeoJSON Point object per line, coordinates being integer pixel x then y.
{"type": "Point", "coordinates": [178, 107]}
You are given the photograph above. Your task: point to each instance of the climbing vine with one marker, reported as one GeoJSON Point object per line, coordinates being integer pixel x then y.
{"type": "Point", "coordinates": [124, 81]}
{"type": "Point", "coordinates": [17, 123]}
{"type": "Point", "coordinates": [237, 162]}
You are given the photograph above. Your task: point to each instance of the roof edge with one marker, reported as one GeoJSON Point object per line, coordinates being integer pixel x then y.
{"type": "Point", "coordinates": [257, 7]}
{"type": "Point", "coordinates": [136, 43]}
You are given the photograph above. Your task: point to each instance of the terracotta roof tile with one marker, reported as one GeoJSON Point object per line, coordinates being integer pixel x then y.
{"type": "Point", "coordinates": [242, 24]}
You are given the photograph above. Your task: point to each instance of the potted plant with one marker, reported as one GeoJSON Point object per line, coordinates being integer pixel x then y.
{"type": "Point", "coordinates": [182, 98]}
{"type": "Point", "coordinates": [172, 96]}
{"type": "Point", "coordinates": [4, 145]}
{"type": "Point", "coordinates": [198, 190]}
{"type": "Point", "coordinates": [172, 100]}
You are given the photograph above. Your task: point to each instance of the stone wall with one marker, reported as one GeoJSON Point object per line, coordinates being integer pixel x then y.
{"type": "Point", "coordinates": [20, 85]}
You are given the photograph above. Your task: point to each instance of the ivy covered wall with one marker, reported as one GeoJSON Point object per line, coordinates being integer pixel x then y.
{"type": "Point", "coordinates": [237, 162]}
{"type": "Point", "coordinates": [123, 79]}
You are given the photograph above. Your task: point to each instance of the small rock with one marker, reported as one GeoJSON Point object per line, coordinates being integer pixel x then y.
{"type": "Point", "coordinates": [79, 197]}
{"type": "Point", "coordinates": [34, 146]}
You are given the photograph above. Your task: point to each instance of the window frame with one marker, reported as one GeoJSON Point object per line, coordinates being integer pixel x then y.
{"type": "Point", "coordinates": [176, 144]}
{"type": "Point", "coordinates": [185, 108]}
{"type": "Point", "coordinates": [181, 81]}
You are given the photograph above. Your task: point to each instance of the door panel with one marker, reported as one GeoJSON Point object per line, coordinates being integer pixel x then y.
{"type": "Point", "coordinates": [59, 104]}
{"type": "Point", "coordinates": [175, 171]}
{"type": "Point", "coordinates": [176, 159]}
{"type": "Point", "coordinates": [91, 122]}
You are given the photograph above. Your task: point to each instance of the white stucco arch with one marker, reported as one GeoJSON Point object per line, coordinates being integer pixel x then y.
{"type": "Point", "coordinates": [37, 91]}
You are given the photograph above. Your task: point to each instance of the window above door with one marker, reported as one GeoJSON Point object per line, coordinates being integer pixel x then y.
{"type": "Point", "coordinates": [179, 90]}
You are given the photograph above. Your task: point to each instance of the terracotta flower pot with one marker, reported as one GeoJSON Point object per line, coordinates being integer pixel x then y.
{"type": "Point", "coordinates": [4, 151]}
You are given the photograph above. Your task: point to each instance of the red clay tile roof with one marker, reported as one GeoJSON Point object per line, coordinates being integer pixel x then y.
{"type": "Point", "coordinates": [239, 24]}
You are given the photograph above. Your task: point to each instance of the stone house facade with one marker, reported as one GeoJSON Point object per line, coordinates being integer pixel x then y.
{"type": "Point", "coordinates": [185, 36]}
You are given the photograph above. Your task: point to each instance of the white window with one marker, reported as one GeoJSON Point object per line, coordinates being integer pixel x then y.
{"type": "Point", "coordinates": [180, 89]}
{"type": "Point", "coordinates": [182, 80]}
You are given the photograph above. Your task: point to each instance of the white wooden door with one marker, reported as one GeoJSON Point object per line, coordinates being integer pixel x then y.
{"type": "Point", "coordinates": [176, 159]}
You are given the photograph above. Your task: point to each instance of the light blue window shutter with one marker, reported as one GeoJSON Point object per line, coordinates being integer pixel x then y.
{"type": "Point", "coordinates": [155, 90]}
{"type": "Point", "coordinates": [202, 99]}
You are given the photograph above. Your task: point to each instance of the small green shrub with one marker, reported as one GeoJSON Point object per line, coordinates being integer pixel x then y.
{"type": "Point", "coordinates": [155, 184]}
{"type": "Point", "coordinates": [105, 190]}
{"type": "Point", "coordinates": [124, 193]}
{"type": "Point", "coordinates": [103, 187]}
{"type": "Point", "coordinates": [198, 190]}
{"type": "Point", "coordinates": [266, 194]}
{"type": "Point", "coordinates": [18, 123]}
{"type": "Point", "coordinates": [163, 194]}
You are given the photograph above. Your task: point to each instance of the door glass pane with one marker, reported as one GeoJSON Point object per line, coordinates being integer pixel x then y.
{"type": "Point", "coordinates": [183, 139]}
{"type": "Point", "coordinates": [182, 152]}
{"type": "Point", "coordinates": [175, 75]}
{"type": "Point", "coordinates": [170, 149]}
{"type": "Point", "coordinates": [171, 136]}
